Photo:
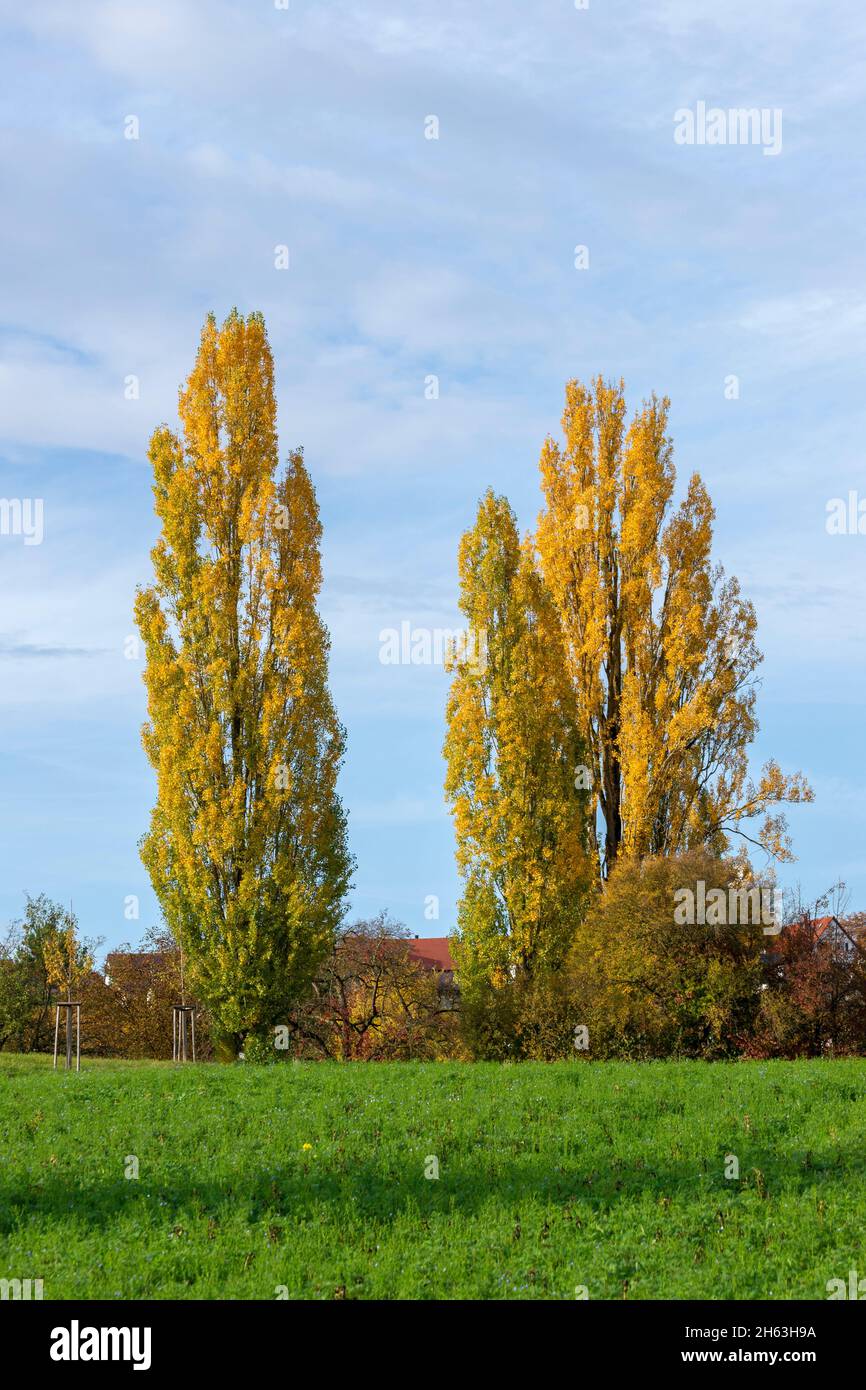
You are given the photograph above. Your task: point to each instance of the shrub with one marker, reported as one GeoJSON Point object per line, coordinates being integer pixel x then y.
{"type": "Point", "coordinates": [646, 986]}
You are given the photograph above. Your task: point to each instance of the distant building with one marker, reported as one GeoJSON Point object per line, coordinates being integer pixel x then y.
{"type": "Point", "coordinates": [139, 967]}
{"type": "Point", "coordinates": [432, 951]}
{"type": "Point", "coordinates": [825, 932]}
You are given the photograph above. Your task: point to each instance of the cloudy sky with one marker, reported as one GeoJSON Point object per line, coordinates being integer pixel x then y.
{"type": "Point", "coordinates": [411, 257]}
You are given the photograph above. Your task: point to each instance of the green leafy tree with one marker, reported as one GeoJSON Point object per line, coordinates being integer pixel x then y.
{"type": "Point", "coordinates": [42, 957]}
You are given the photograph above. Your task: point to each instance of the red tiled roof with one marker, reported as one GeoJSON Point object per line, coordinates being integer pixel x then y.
{"type": "Point", "coordinates": [821, 924]}
{"type": "Point", "coordinates": [432, 951]}
{"type": "Point", "coordinates": [817, 924]}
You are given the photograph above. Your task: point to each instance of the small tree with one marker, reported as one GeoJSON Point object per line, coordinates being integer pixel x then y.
{"type": "Point", "coordinates": [16, 994]}
{"type": "Point", "coordinates": [649, 985]}
{"type": "Point", "coordinates": [67, 960]}
{"type": "Point", "coordinates": [42, 959]}
{"type": "Point", "coordinates": [129, 1012]}
{"type": "Point", "coordinates": [373, 1001]}
{"type": "Point", "coordinates": [813, 1000]}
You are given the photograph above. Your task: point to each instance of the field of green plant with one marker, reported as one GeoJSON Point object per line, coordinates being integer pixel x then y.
{"type": "Point", "coordinates": [309, 1179]}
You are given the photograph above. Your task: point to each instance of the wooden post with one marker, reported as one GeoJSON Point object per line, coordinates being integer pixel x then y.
{"type": "Point", "coordinates": [68, 1005]}
{"type": "Point", "coordinates": [182, 1023]}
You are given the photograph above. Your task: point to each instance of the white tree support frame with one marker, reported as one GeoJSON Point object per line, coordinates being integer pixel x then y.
{"type": "Point", "coordinates": [68, 1005]}
{"type": "Point", "coordinates": [182, 1024]}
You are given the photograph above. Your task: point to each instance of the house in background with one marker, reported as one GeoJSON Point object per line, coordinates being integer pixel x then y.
{"type": "Point", "coordinates": [844, 940]}
{"type": "Point", "coordinates": [432, 951]}
{"type": "Point", "coordinates": [138, 968]}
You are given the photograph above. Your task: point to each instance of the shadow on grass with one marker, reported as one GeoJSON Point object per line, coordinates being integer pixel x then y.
{"type": "Point", "coordinates": [366, 1192]}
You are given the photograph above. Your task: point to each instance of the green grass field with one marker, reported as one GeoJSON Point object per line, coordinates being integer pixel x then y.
{"type": "Point", "coordinates": [312, 1177]}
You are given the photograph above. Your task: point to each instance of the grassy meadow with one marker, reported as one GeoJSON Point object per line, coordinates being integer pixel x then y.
{"type": "Point", "coordinates": [309, 1178]}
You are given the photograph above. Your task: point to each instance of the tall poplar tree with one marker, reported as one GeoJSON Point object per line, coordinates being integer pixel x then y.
{"type": "Point", "coordinates": [515, 764]}
{"type": "Point", "coordinates": [247, 844]}
{"type": "Point", "coordinates": [660, 645]}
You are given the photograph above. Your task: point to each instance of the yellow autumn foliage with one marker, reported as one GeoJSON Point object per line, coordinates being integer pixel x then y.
{"type": "Point", "coordinates": [660, 645]}
{"type": "Point", "coordinates": [513, 751]}
{"type": "Point", "coordinates": [246, 848]}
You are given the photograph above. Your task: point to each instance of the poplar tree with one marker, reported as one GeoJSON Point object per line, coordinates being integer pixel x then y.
{"type": "Point", "coordinates": [516, 765]}
{"type": "Point", "coordinates": [660, 644]}
{"type": "Point", "coordinates": [247, 843]}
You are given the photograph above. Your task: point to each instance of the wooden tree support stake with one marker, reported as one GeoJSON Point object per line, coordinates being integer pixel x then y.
{"type": "Point", "coordinates": [182, 1026]}
{"type": "Point", "coordinates": [68, 1005]}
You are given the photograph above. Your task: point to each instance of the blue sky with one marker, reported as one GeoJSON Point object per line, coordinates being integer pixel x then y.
{"type": "Point", "coordinates": [412, 257]}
